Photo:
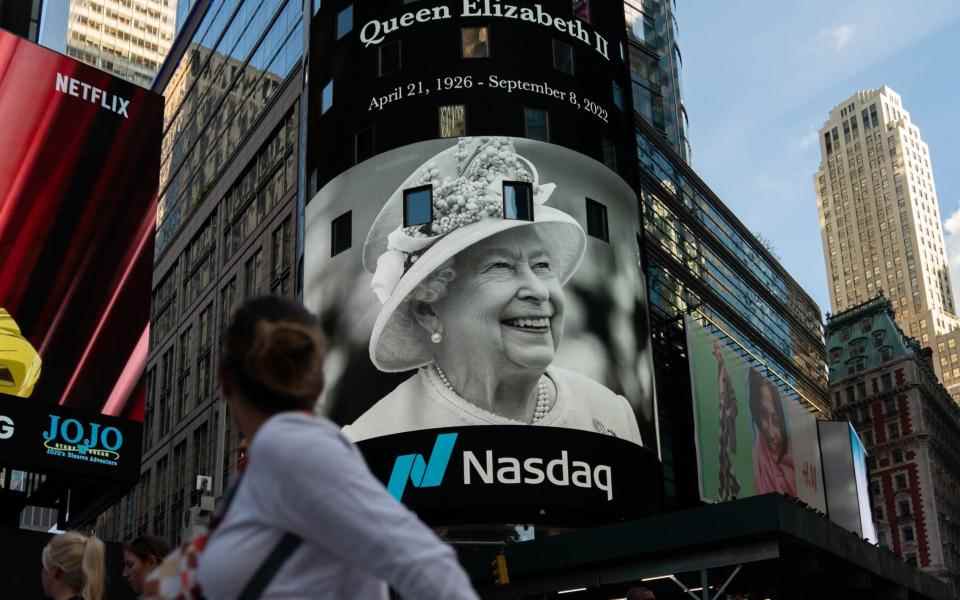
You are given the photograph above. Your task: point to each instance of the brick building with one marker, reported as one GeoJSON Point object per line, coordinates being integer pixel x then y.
{"type": "Point", "coordinates": [884, 383]}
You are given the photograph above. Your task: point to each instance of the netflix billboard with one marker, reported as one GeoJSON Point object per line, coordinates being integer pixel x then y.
{"type": "Point", "coordinates": [78, 185]}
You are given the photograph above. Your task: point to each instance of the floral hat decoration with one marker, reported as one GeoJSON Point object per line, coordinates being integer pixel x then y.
{"type": "Point", "coordinates": [466, 186]}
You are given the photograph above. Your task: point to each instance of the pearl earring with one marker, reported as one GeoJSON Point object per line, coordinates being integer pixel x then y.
{"type": "Point", "coordinates": [436, 337]}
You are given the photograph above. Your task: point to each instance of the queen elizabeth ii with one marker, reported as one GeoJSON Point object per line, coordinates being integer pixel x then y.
{"type": "Point", "coordinates": [469, 265]}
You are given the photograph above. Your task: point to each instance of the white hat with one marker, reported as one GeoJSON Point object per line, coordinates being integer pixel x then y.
{"type": "Point", "coordinates": [467, 185]}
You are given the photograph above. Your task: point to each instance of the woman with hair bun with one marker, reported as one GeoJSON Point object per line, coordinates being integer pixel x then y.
{"type": "Point", "coordinates": [73, 567]}
{"type": "Point", "coordinates": [307, 506]}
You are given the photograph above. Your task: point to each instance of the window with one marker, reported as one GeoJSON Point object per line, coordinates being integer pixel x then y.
{"type": "Point", "coordinates": [563, 57]}
{"type": "Point", "coordinates": [363, 145]}
{"type": "Point", "coordinates": [893, 430]}
{"type": "Point", "coordinates": [618, 95]}
{"type": "Point", "coordinates": [900, 481]}
{"type": "Point", "coordinates": [418, 206]}
{"type": "Point", "coordinates": [886, 383]}
{"type": "Point", "coordinates": [344, 22]}
{"type": "Point", "coordinates": [889, 406]}
{"type": "Point", "coordinates": [476, 42]}
{"type": "Point", "coordinates": [536, 124]}
{"type": "Point", "coordinates": [903, 508]}
{"type": "Point", "coordinates": [908, 535]}
{"type": "Point", "coordinates": [389, 61]}
{"type": "Point", "coordinates": [341, 230]}
{"type": "Point", "coordinates": [597, 220]}
{"type": "Point", "coordinates": [897, 456]}
{"type": "Point", "coordinates": [326, 97]}
{"type": "Point", "coordinates": [453, 120]}
{"type": "Point", "coordinates": [253, 275]}
{"type": "Point", "coordinates": [518, 200]}
{"type": "Point", "coordinates": [609, 153]}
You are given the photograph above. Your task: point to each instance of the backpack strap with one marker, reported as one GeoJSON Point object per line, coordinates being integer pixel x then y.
{"type": "Point", "coordinates": [268, 569]}
{"type": "Point", "coordinates": [287, 545]}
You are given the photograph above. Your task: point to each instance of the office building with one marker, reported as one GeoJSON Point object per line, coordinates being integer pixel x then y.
{"type": "Point", "coordinates": [22, 17]}
{"type": "Point", "coordinates": [655, 68]}
{"type": "Point", "coordinates": [128, 38]}
{"type": "Point", "coordinates": [883, 382]}
{"type": "Point", "coordinates": [226, 230]}
{"type": "Point", "coordinates": [879, 215]}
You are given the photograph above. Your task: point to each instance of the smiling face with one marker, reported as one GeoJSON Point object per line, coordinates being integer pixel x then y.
{"type": "Point", "coordinates": [771, 427]}
{"type": "Point", "coordinates": [505, 306]}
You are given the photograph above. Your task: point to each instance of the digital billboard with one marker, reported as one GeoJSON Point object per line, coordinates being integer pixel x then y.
{"type": "Point", "coordinates": [78, 177]}
{"type": "Point", "coordinates": [386, 75]}
{"type": "Point", "coordinates": [752, 439]}
{"type": "Point", "coordinates": [475, 297]}
{"type": "Point", "coordinates": [845, 475]}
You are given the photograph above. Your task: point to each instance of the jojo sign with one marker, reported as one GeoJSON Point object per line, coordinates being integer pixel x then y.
{"type": "Point", "coordinates": [56, 439]}
{"type": "Point", "coordinates": [70, 438]}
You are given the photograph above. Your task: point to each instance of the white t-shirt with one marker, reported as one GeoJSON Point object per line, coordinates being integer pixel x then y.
{"type": "Point", "coordinates": [303, 476]}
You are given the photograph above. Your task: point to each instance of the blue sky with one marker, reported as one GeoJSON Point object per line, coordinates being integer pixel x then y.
{"type": "Point", "coordinates": [759, 79]}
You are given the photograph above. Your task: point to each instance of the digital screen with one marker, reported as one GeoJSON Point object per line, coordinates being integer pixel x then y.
{"type": "Point", "coordinates": [752, 438]}
{"type": "Point", "coordinates": [78, 182]}
{"type": "Point", "coordinates": [481, 318]}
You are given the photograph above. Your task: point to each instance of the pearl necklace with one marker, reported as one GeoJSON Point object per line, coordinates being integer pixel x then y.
{"type": "Point", "coordinates": [543, 395]}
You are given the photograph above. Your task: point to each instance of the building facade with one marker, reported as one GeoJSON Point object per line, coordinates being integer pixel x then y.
{"type": "Point", "coordinates": [226, 230]}
{"type": "Point", "coordinates": [128, 38]}
{"type": "Point", "coordinates": [700, 259]}
{"type": "Point", "coordinates": [655, 68]}
{"type": "Point", "coordinates": [879, 215]}
{"type": "Point", "coordinates": [22, 17]}
{"type": "Point", "coordinates": [883, 382]}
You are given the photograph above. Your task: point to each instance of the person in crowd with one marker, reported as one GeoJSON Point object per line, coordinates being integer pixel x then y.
{"type": "Point", "coordinates": [141, 556]}
{"type": "Point", "coordinates": [473, 299]}
{"type": "Point", "coordinates": [72, 567]}
{"type": "Point", "coordinates": [773, 468]}
{"type": "Point", "coordinates": [306, 499]}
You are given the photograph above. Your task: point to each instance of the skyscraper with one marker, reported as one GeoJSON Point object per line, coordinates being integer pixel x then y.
{"type": "Point", "coordinates": [879, 217]}
{"type": "Point", "coordinates": [655, 63]}
{"type": "Point", "coordinates": [128, 38]}
{"type": "Point", "coordinates": [21, 17]}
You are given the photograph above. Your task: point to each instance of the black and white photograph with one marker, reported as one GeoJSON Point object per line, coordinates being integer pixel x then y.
{"type": "Point", "coordinates": [481, 281]}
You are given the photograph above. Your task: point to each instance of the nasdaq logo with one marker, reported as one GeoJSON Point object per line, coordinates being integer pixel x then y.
{"type": "Point", "coordinates": [422, 473]}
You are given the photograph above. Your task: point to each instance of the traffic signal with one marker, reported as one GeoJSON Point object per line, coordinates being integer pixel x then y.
{"type": "Point", "coordinates": [500, 574]}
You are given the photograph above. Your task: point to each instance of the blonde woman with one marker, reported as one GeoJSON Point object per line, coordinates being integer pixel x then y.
{"type": "Point", "coordinates": [73, 567]}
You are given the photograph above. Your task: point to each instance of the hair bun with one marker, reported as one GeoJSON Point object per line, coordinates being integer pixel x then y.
{"type": "Point", "coordinates": [286, 357]}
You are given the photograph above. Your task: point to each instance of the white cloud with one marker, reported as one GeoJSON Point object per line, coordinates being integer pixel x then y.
{"type": "Point", "coordinates": [839, 37]}
{"type": "Point", "coordinates": [951, 229]}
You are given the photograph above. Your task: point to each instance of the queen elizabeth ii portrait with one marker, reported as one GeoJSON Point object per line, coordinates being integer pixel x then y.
{"type": "Point", "coordinates": [469, 267]}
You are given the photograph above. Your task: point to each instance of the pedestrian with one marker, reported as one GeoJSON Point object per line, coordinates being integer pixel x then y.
{"type": "Point", "coordinates": [640, 593]}
{"type": "Point", "coordinates": [72, 567]}
{"type": "Point", "coordinates": [307, 519]}
{"type": "Point", "coordinates": [140, 557]}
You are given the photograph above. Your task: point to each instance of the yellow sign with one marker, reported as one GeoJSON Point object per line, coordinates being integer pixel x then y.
{"type": "Point", "coordinates": [19, 362]}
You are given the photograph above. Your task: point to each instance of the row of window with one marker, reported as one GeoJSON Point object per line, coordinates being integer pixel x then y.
{"type": "Point", "coordinates": [701, 207]}
{"type": "Point", "coordinates": [266, 182]}
{"type": "Point", "coordinates": [216, 96]}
